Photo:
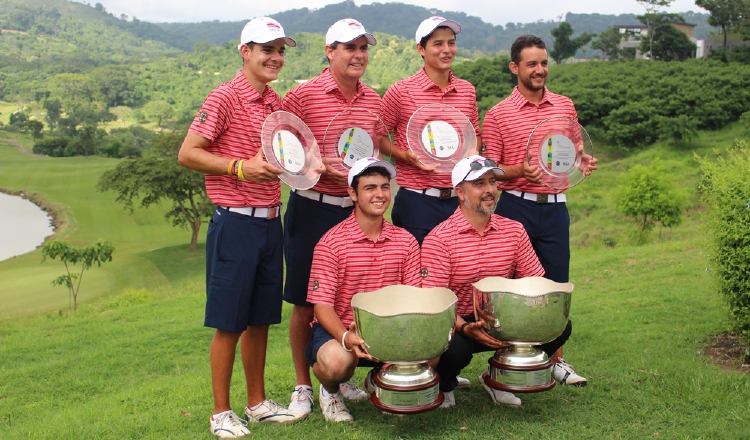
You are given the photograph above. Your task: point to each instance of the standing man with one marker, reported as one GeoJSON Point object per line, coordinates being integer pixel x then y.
{"type": "Point", "coordinates": [364, 253]}
{"type": "Point", "coordinates": [450, 259]}
{"type": "Point", "coordinates": [540, 209]}
{"type": "Point", "coordinates": [244, 266]}
{"type": "Point", "coordinates": [311, 213]}
{"type": "Point", "coordinates": [426, 198]}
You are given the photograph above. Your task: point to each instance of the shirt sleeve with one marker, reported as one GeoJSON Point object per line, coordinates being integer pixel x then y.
{"type": "Point", "coordinates": [292, 103]}
{"type": "Point", "coordinates": [390, 109]}
{"type": "Point", "coordinates": [213, 117]}
{"type": "Point", "coordinates": [474, 116]}
{"type": "Point", "coordinates": [412, 264]}
{"type": "Point", "coordinates": [323, 283]}
{"type": "Point", "coordinates": [435, 258]}
{"type": "Point", "coordinates": [492, 138]}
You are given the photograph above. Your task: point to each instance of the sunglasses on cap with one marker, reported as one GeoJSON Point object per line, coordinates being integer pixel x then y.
{"type": "Point", "coordinates": [478, 165]}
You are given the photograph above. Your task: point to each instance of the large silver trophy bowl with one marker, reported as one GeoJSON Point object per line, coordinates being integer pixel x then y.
{"type": "Point", "coordinates": [524, 313]}
{"type": "Point", "coordinates": [404, 327]}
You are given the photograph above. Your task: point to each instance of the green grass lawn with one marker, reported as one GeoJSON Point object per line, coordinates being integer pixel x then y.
{"type": "Point", "coordinates": [133, 362]}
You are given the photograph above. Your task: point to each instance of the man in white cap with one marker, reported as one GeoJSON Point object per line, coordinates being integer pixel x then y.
{"type": "Point", "coordinates": [450, 259]}
{"type": "Point", "coordinates": [361, 254]}
{"type": "Point", "coordinates": [311, 213]}
{"type": "Point", "coordinates": [244, 267]}
{"type": "Point", "coordinates": [425, 198]}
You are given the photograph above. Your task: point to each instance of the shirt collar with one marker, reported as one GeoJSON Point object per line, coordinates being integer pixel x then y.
{"type": "Point", "coordinates": [426, 83]}
{"type": "Point", "coordinates": [328, 82]}
{"type": "Point", "coordinates": [518, 100]}
{"type": "Point", "coordinates": [245, 90]}
{"type": "Point", "coordinates": [356, 234]}
{"type": "Point", "coordinates": [464, 227]}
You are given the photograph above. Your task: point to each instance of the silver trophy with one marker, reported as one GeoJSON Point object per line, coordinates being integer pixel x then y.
{"type": "Point", "coordinates": [524, 313]}
{"type": "Point", "coordinates": [404, 327]}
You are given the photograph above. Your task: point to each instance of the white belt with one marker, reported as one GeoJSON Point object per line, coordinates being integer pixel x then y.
{"type": "Point", "coordinates": [539, 198]}
{"type": "Point", "coordinates": [266, 213]}
{"type": "Point", "coordinates": [442, 194]}
{"type": "Point", "coordinates": [343, 202]}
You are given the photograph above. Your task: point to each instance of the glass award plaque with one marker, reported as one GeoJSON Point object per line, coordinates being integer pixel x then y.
{"type": "Point", "coordinates": [439, 134]}
{"type": "Point", "coordinates": [351, 135]}
{"type": "Point", "coordinates": [290, 145]}
{"type": "Point", "coordinates": [562, 150]}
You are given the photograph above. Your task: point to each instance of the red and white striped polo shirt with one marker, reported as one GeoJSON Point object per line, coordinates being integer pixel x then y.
{"type": "Point", "coordinates": [454, 255]}
{"type": "Point", "coordinates": [507, 127]}
{"type": "Point", "coordinates": [406, 97]}
{"type": "Point", "coordinates": [317, 102]}
{"type": "Point", "coordinates": [232, 117]}
{"type": "Point", "coordinates": [346, 262]}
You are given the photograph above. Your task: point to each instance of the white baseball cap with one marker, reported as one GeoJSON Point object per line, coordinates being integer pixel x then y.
{"type": "Point", "coordinates": [346, 30]}
{"type": "Point", "coordinates": [465, 170]}
{"type": "Point", "coordinates": [429, 25]}
{"type": "Point", "coordinates": [366, 162]}
{"type": "Point", "coordinates": [263, 30]}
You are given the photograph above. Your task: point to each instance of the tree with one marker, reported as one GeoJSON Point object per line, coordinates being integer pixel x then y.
{"type": "Point", "coordinates": [679, 128]}
{"type": "Point", "coordinates": [85, 142]}
{"type": "Point", "coordinates": [54, 110]}
{"type": "Point", "coordinates": [646, 194]}
{"type": "Point", "coordinates": [159, 110]}
{"type": "Point", "coordinates": [98, 252]}
{"type": "Point", "coordinates": [80, 97]}
{"type": "Point", "coordinates": [563, 47]}
{"type": "Point", "coordinates": [724, 14]}
{"type": "Point", "coordinates": [17, 121]}
{"type": "Point", "coordinates": [159, 176]}
{"type": "Point", "coordinates": [34, 128]}
{"type": "Point", "coordinates": [609, 43]}
{"type": "Point", "coordinates": [668, 44]}
{"type": "Point", "coordinates": [654, 18]}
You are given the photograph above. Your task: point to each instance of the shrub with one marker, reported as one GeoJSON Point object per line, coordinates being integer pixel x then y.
{"type": "Point", "coordinates": [725, 187]}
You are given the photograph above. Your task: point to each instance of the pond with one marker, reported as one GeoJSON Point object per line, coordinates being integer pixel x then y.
{"type": "Point", "coordinates": [23, 226]}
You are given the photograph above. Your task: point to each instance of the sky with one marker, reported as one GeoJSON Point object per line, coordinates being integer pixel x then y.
{"type": "Point", "coordinates": [497, 12]}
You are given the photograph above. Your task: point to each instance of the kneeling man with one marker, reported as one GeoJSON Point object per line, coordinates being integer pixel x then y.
{"type": "Point", "coordinates": [474, 243]}
{"type": "Point", "coordinates": [361, 254]}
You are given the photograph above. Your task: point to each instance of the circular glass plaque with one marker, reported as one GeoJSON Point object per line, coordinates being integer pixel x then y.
{"type": "Point", "coordinates": [351, 135]}
{"type": "Point", "coordinates": [439, 134]}
{"type": "Point", "coordinates": [290, 145]}
{"type": "Point", "coordinates": [562, 150]}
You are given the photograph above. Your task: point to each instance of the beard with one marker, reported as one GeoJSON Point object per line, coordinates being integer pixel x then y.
{"type": "Point", "coordinates": [529, 84]}
{"type": "Point", "coordinates": [481, 209]}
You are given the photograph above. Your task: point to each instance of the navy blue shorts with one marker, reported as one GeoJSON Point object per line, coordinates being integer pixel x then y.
{"type": "Point", "coordinates": [305, 223]}
{"type": "Point", "coordinates": [419, 213]}
{"type": "Point", "coordinates": [319, 337]}
{"type": "Point", "coordinates": [244, 271]}
{"type": "Point", "coordinates": [547, 225]}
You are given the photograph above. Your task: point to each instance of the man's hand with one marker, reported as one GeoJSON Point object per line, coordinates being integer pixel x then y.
{"type": "Point", "coordinates": [258, 170]}
{"type": "Point", "coordinates": [412, 159]}
{"type": "Point", "coordinates": [531, 172]}
{"type": "Point", "coordinates": [354, 342]}
{"type": "Point", "coordinates": [588, 162]}
{"type": "Point", "coordinates": [475, 331]}
{"type": "Point", "coordinates": [336, 176]}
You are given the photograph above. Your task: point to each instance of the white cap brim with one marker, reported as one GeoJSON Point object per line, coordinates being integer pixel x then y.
{"type": "Point", "coordinates": [358, 169]}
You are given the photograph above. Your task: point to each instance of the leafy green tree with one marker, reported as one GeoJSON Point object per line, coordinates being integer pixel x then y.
{"type": "Point", "coordinates": [80, 97]}
{"type": "Point", "coordinates": [669, 44]}
{"type": "Point", "coordinates": [655, 19]}
{"type": "Point", "coordinates": [609, 43]}
{"type": "Point", "coordinates": [725, 189]}
{"type": "Point", "coordinates": [54, 110]}
{"type": "Point", "coordinates": [677, 129]}
{"type": "Point", "coordinates": [724, 14]}
{"type": "Point", "coordinates": [85, 143]}
{"type": "Point", "coordinates": [17, 121]}
{"type": "Point", "coordinates": [51, 146]}
{"type": "Point", "coordinates": [158, 110]}
{"type": "Point", "coordinates": [647, 195]}
{"type": "Point", "coordinates": [159, 176]}
{"type": "Point", "coordinates": [563, 47]}
{"type": "Point", "coordinates": [34, 128]}
{"type": "Point", "coordinates": [97, 253]}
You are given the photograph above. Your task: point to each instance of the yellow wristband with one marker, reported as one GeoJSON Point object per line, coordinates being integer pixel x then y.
{"type": "Point", "coordinates": [239, 170]}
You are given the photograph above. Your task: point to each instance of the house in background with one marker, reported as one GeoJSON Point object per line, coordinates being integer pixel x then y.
{"type": "Point", "coordinates": [635, 33]}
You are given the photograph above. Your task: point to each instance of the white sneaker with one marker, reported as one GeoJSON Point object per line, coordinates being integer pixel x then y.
{"type": "Point", "coordinates": [369, 386]}
{"type": "Point", "coordinates": [500, 396]}
{"type": "Point", "coordinates": [302, 402]}
{"type": "Point", "coordinates": [450, 400]}
{"type": "Point", "coordinates": [228, 425]}
{"type": "Point", "coordinates": [463, 383]}
{"type": "Point", "coordinates": [269, 412]}
{"type": "Point", "coordinates": [564, 374]}
{"type": "Point", "coordinates": [333, 407]}
{"type": "Point", "coordinates": [351, 391]}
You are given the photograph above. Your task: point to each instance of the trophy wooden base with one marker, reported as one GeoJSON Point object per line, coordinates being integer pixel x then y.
{"type": "Point", "coordinates": [519, 378]}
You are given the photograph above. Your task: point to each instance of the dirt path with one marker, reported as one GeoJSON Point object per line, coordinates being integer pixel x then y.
{"type": "Point", "coordinates": [23, 150]}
